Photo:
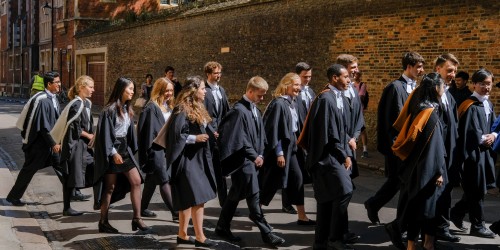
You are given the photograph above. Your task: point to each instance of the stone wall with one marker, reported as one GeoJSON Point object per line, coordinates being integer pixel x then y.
{"type": "Point", "coordinates": [268, 37]}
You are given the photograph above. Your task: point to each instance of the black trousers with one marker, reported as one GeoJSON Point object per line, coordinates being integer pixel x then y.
{"type": "Point", "coordinates": [330, 220]}
{"type": "Point", "coordinates": [244, 186]}
{"type": "Point", "coordinates": [473, 204]}
{"type": "Point", "coordinates": [36, 158]}
{"type": "Point", "coordinates": [443, 206]}
{"type": "Point", "coordinates": [391, 186]}
{"type": "Point", "coordinates": [219, 178]}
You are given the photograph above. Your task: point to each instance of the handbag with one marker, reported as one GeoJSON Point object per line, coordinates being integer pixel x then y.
{"type": "Point", "coordinates": [140, 102]}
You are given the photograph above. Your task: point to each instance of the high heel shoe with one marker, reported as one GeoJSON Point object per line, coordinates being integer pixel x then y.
{"type": "Point", "coordinates": [105, 227]}
{"type": "Point", "coordinates": [136, 224]}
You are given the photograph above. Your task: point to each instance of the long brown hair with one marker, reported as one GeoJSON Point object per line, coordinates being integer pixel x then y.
{"type": "Point", "coordinates": [186, 101]}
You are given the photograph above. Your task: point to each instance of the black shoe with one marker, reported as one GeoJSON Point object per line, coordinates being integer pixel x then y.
{"type": "Point", "coordinates": [289, 210]}
{"type": "Point", "coordinates": [136, 224]}
{"type": "Point", "coordinates": [447, 236]}
{"type": "Point", "coordinates": [306, 222]}
{"type": "Point", "coordinates": [80, 197]}
{"type": "Point", "coordinates": [71, 212]}
{"type": "Point", "coordinates": [207, 243]}
{"type": "Point", "coordinates": [372, 214]}
{"type": "Point", "coordinates": [189, 241]}
{"type": "Point", "coordinates": [148, 213]}
{"type": "Point", "coordinates": [273, 239]}
{"type": "Point", "coordinates": [350, 238]}
{"type": "Point", "coordinates": [483, 233]}
{"type": "Point", "coordinates": [226, 234]}
{"type": "Point", "coordinates": [105, 227]}
{"type": "Point", "coordinates": [394, 235]}
{"type": "Point", "coordinates": [495, 227]}
{"type": "Point", "coordinates": [338, 245]}
{"type": "Point", "coordinates": [458, 222]}
{"type": "Point", "coordinates": [15, 202]}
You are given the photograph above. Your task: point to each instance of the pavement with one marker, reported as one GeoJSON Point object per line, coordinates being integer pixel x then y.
{"type": "Point", "coordinates": [40, 224]}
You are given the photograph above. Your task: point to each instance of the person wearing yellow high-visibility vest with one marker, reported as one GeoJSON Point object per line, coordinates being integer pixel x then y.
{"type": "Point", "coordinates": [36, 83]}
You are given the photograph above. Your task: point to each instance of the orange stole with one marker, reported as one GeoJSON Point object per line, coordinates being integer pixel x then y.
{"type": "Point", "coordinates": [464, 106]}
{"type": "Point", "coordinates": [403, 146]}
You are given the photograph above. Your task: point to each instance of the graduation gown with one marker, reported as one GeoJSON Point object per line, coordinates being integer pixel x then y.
{"type": "Point", "coordinates": [325, 139]}
{"type": "Point", "coordinates": [423, 162]}
{"type": "Point", "coordinates": [390, 105]}
{"type": "Point", "coordinates": [104, 143]}
{"type": "Point", "coordinates": [76, 157]}
{"type": "Point", "coordinates": [278, 127]}
{"type": "Point", "coordinates": [449, 117]}
{"type": "Point", "coordinates": [355, 123]}
{"type": "Point", "coordinates": [210, 105]}
{"type": "Point", "coordinates": [241, 141]}
{"type": "Point", "coordinates": [193, 179]}
{"type": "Point", "coordinates": [151, 156]}
{"type": "Point", "coordinates": [302, 110]}
{"type": "Point", "coordinates": [40, 118]}
{"type": "Point", "coordinates": [479, 161]}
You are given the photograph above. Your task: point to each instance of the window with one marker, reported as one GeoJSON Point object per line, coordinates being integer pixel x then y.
{"type": "Point", "coordinates": [169, 2]}
{"type": "Point", "coordinates": [45, 29]}
{"type": "Point", "coordinates": [56, 59]}
{"type": "Point", "coordinates": [11, 63]}
{"type": "Point", "coordinates": [3, 7]}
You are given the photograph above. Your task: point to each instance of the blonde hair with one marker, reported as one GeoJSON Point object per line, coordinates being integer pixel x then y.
{"type": "Point", "coordinates": [82, 81]}
{"type": "Point", "coordinates": [158, 93]}
{"type": "Point", "coordinates": [186, 101]}
{"type": "Point", "coordinates": [257, 83]}
{"type": "Point", "coordinates": [286, 81]}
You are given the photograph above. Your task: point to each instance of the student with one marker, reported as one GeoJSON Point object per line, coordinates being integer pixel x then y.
{"type": "Point", "coordinates": [115, 146]}
{"type": "Point", "coordinates": [241, 143]}
{"type": "Point", "coordinates": [325, 138]}
{"type": "Point", "coordinates": [74, 131]}
{"type": "Point", "coordinates": [420, 146]}
{"type": "Point", "coordinates": [281, 169]}
{"type": "Point", "coordinates": [152, 157]}
{"type": "Point", "coordinates": [190, 161]}
{"type": "Point", "coordinates": [476, 116]}
{"type": "Point", "coordinates": [40, 151]}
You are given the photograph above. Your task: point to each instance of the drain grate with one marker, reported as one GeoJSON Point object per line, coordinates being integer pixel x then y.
{"type": "Point", "coordinates": [124, 242]}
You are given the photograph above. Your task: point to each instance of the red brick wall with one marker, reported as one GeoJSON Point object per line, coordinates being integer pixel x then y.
{"type": "Point", "coordinates": [268, 37]}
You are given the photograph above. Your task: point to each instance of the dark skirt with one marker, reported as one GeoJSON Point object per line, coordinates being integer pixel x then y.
{"type": "Point", "coordinates": [121, 147]}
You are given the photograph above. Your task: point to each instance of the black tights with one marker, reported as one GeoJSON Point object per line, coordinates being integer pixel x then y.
{"type": "Point", "coordinates": [165, 191]}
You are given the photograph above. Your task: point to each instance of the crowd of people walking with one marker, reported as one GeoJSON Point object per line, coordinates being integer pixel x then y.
{"type": "Point", "coordinates": [435, 135]}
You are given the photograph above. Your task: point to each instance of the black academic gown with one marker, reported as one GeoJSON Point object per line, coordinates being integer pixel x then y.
{"type": "Point", "coordinates": [326, 140]}
{"type": "Point", "coordinates": [38, 148]}
{"type": "Point", "coordinates": [302, 110]}
{"type": "Point", "coordinates": [193, 179]}
{"type": "Point", "coordinates": [104, 143]}
{"type": "Point", "coordinates": [460, 95]}
{"type": "Point", "coordinates": [449, 117]}
{"type": "Point", "coordinates": [241, 141]}
{"type": "Point", "coordinates": [355, 123]}
{"type": "Point", "coordinates": [278, 127]}
{"type": "Point", "coordinates": [76, 157]}
{"type": "Point", "coordinates": [479, 161]}
{"type": "Point", "coordinates": [390, 105]}
{"type": "Point", "coordinates": [420, 170]}
{"type": "Point", "coordinates": [151, 156]}
{"type": "Point", "coordinates": [211, 106]}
